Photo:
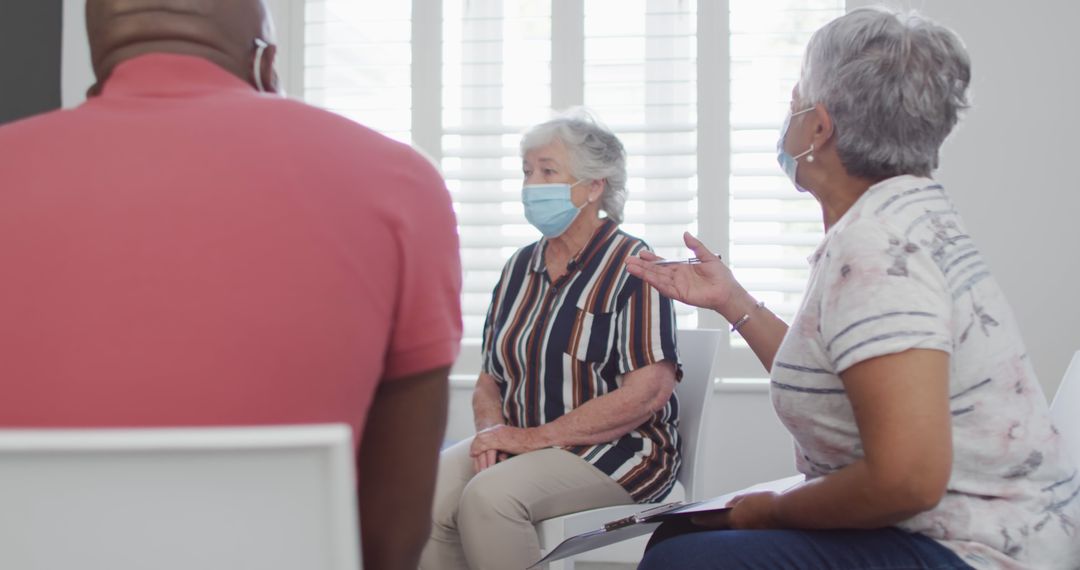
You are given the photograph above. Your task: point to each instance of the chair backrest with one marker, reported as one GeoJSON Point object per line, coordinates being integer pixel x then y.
{"type": "Point", "coordinates": [697, 350]}
{"type": "Point", "coordinates": [209, 498]}
{"type": "Point", "coordinates": [1066, 407]}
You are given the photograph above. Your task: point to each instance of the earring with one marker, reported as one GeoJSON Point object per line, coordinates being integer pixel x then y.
{"type": "Point", "coordinates": [810, 155]}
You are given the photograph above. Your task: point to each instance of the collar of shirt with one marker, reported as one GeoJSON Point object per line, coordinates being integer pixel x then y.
{"type": "Point", "coordinates": [598, 239]}
{"type": "Point", "coordinates": [167, 75]}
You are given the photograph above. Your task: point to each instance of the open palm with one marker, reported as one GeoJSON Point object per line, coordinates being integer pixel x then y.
{"type": "Point", "coordinates": [708, 284]}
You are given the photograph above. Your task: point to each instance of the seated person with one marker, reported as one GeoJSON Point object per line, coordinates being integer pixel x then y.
{"type": "Point", "coordinates": [919, 423]}
{"type": "Point", "coordinates": [575, 406]}
{"type": "Point", "coordinates": [183, 250]}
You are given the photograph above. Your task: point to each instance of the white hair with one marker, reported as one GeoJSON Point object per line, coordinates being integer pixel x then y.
{"type": "Point", "coordinates": [595, 154]}
{"type": "Point", "coordinates": [894, 85]}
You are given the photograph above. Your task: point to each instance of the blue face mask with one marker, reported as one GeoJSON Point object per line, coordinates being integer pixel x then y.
{"type": "Point", "coordinates": [789, 163]}
{"type": "Point", "coordinates": [548, 207]}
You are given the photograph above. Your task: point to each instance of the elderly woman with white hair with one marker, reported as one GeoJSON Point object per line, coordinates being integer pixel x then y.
{"type": "Point", "coordinates": [575, 406]}
{"type": "Point", "coordinates": [918, 422]}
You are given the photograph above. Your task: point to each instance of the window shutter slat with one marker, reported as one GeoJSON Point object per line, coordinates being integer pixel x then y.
{"type": "Point", "coordinates": [774, 228]}
{"type": "Point", "coordinates": [640, 76]}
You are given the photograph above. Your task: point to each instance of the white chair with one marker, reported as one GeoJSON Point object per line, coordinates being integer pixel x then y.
{"type": "Point", "coordinates": [697, 349]}
{"type": "Point", "coordinates": [272, 498]}
{"type": "Point", "coordinates": [1066, 407]}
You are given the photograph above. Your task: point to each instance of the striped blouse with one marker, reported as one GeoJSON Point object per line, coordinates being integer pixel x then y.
{"type": "Point", "coordinates": [552, 346]}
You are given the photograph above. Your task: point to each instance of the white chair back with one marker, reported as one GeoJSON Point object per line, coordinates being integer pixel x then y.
{"type": "Point", "coordinates": [273, 498]}
{"type": "Point", "coordinates": [697, 350]}
{"type": "Point", "coordinates": [1065, 409]}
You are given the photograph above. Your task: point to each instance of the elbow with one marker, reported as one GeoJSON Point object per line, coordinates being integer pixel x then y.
{"type": "Point", "coordinates": [662, 389]}
{"type": "Point", "coordinates": [914, 490]}
{"type": "Point", "coordinates": [923, 495]}
{"type": "Point", "coordinates": [657, 401]}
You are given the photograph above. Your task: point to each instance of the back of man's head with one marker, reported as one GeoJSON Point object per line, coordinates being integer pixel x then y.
{"type": "Point", "coordinates": [222, 31]}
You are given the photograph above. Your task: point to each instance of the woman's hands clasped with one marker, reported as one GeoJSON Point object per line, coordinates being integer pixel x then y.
{"type": "Point", "coordinates": [498, 442]}
{"type": "Point", "coordinates": [708, 284]}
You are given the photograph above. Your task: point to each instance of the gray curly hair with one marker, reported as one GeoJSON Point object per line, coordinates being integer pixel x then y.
{"type": "Point", "coordinates": [595, 154]}
{"type": "Point", "coordinates": [894, 85]}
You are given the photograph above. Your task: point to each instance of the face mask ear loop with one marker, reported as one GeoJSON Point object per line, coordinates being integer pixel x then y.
{"type": "Point", "coordinates": [260, 47]}
{"type": "Point", "coordinates": [808, 151]}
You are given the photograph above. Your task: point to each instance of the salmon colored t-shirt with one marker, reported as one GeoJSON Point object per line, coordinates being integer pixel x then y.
{"type": "Point", "coordinates": [182, 250]}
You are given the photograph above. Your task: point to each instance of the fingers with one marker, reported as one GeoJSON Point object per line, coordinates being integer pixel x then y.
{"type": "Point", "coordinates": [477, 446]}
{"type": "Point", "coordinates": [486, 459]}
{"type": "Point", "coordinates": [649, 256]}
{"type": "Point", "coordinates": [661, 278]}
{"type": "Point", "coordinates": [698, 248]}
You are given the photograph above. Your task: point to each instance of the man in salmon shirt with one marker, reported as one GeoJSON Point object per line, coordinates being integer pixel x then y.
{"type": "Point", "coordinates": [183, 250]}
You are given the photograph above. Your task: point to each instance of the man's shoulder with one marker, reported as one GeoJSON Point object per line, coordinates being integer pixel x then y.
{"type": "Point", "coordinates": [35, 125]}
{"type": "Point", "coordinates": [334, 138]}
{"type": "Point", "coordinates": [318, 121]}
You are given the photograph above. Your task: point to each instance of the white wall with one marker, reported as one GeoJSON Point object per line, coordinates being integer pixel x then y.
{"type": "Point", "coordinates": [1009, 169]}
{"type": "Point", "coordinates": [1010, 166]}
{"type": "Point", "coordinates": [76, 75]}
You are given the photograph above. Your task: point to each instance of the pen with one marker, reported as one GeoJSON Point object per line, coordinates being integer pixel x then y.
{"type": "Point", "coordinates": [691, 261]}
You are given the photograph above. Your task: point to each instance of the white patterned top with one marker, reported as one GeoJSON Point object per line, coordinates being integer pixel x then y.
{"type": "Point", "coordinates": [898, 271]}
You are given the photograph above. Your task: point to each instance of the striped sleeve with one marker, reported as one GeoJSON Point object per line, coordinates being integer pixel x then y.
{"type": "Point", "coordinates": [644, 327]}
{"type": "Point", "coordinates": [882, 294]}
{"type": "Point", "coordinates": [488, 365]}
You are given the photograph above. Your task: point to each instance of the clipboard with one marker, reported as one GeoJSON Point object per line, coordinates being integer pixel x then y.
{"type": "Point", "coordinates": [647, 520]}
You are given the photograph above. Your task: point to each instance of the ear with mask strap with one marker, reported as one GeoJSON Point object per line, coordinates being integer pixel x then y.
{"type": "Point", "coordinates": [260, 48]}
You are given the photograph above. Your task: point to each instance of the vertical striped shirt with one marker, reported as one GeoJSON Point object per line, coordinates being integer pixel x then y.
{"type": "Point", "coordinates": [552, 346]}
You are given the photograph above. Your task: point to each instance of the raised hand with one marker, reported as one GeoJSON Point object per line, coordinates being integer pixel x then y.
{"type": "Point", "coordinates": [708, 284]}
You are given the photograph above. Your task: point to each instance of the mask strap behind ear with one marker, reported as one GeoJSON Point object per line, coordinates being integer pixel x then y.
{"type": "Point", "coordinates": [260, 47]}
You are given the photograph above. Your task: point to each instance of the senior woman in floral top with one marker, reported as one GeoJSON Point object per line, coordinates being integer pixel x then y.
{"type": "Point", "coordinates": [924, 436]}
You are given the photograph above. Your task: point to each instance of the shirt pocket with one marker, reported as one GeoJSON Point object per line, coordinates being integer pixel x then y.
{"type": "Point", "coordinates": [590, 336]}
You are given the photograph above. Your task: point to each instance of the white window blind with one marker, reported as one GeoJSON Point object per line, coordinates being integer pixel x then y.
{"type": "Point", "coordinates": [640, 70]}
{"type": "Point", "coordinates": [773, 228]}
{"type": "Point", "coordinates": [496, 83]}
{"type": "Point", "coordinates": [635, 63]}
{"type": "Point", "coordinates": [357, 57]}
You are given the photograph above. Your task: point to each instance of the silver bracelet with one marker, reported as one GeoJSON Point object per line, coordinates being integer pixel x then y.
{"type": "Point", "coordinates": [742, 321]}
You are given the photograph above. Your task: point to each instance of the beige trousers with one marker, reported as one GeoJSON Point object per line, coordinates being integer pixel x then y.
{"type": "Point", "coordinates": [485, 521]}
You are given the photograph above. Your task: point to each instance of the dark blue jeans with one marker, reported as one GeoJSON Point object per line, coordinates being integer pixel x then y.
{"type": "Point", "coordinates": [883, 549]}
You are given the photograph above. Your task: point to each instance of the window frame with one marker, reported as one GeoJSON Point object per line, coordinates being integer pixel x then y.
{"type": "Point", "coordinates": [568, 89]}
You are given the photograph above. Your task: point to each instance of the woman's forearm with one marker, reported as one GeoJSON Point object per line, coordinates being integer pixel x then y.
{"type": "Point", "coordinates": [764, 331]}
{"type": "Point", "coordinates": [852, 498]}
{"type": "Point", "coordinates": [615, 414]}
{"type": "Point", "coordinates": [487, 403]}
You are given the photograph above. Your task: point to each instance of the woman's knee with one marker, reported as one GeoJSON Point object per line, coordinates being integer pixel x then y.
{"type": "Point", "coordinates": [455, 471]}
{"type": "Point", "coordinates": [666, 555]}
{"type": "Point", "coordinates": [488, 498]}
{"type": "Point", "coordinates": [704, 550]}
